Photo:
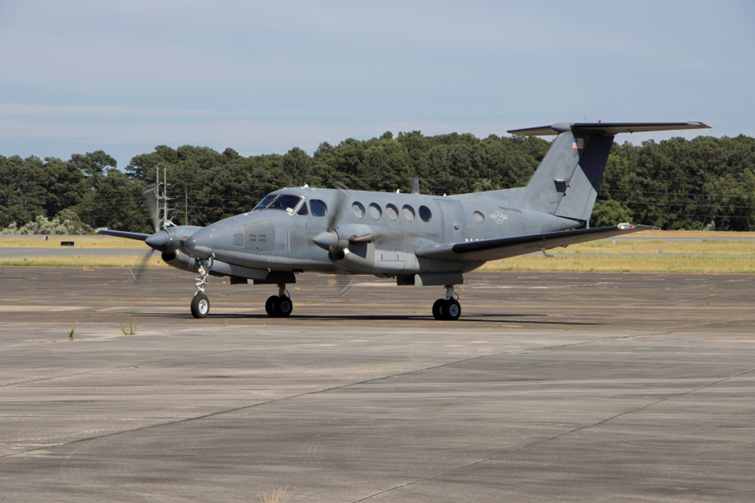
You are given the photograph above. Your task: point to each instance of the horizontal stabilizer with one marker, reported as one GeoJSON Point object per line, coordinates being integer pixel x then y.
{"type": "Point", "coordinates": [494, 249]}
{"type": "Point", "coordinates": [608, 128]}
{"type": "Point", "coordinates": [121, 234]}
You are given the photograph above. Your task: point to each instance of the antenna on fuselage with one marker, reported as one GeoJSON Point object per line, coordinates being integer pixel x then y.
{"type": "Point", "coordinates": [415, 186]}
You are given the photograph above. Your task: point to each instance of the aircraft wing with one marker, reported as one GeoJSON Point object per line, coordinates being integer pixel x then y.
{"type": "Point", "coordinates": [121, 234]}
{"type": "Point", "coordinates": [494, 249]}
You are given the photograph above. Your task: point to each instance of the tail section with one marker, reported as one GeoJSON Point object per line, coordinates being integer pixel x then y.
{"type": "Point", "coordinates": [568, 179]}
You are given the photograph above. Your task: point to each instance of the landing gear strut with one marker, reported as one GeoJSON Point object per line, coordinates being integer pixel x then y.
{"type": "Point", "coordinates": [448, 308]}
{"type": "Point", "coordinates": [279, 306]}
{"type": "Point", "coordinates": [200, 304]}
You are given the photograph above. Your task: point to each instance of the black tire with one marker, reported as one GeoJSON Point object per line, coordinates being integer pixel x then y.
{"type": "Point", "coordinates": [438, 309]}
{"type": "Point", "coordinates": [451, 310]}
{"type": "Point", "coordinates": [271, 305]}
{"type": "Point", "coordinates": [200, 305]}
{"type": "Point", "coordinates": [283, 306]}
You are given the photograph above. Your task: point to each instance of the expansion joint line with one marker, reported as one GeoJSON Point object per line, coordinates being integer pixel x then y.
{"type": "Point", "coordinates": [554, 437]}
{"type": "Point", "coordinates": [320, 391]}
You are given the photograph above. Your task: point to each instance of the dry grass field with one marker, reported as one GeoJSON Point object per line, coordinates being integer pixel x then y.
{"type": "Point", "coordinates": [81, 261]}
{"type": "Point", "coordinates": [707, 252]}
{"type": "Point", "coordinates": [603, 263]}
{"type": "Point", "coordinates": [99, 242]}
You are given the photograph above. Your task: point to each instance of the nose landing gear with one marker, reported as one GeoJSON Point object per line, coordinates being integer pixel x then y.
{"type": "Point", "coordinates": [200, 304]}
{"type": "Point", "coordinates": [448, 308]}
{"type": "Point", "coordinates": [279, 306]}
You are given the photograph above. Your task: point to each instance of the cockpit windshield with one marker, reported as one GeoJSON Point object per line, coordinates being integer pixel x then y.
{"type": "Point", "coordinates": [284, 202]}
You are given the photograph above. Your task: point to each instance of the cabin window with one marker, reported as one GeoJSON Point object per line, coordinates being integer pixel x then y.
{"type": "Point", "coordinates": [303, 209]}
{"type": "Point", "coordinates": [408, 212]}
{"type": "Point", "coordinates": [391, 211]}
{"type": "Point", "coordinates": [425, 214]}
{"type": "Point", "coordinates": [357, 209]}
{"type": "Point", "coordinates": [479, 217]}
{"type": "Point", "coordinates": [319, 208]}
{"type": "Point", "coordinates": [375, 211]}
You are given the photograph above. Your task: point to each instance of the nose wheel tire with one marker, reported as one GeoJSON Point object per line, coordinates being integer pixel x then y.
{"type": "Point", "coordinates": [446, 309]}
{"type": "Point", "coordinates": [279, 307]}
{"type": "Point", "coordinates": [200, 305]}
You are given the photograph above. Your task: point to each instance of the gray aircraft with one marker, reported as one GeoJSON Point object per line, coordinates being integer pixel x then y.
{"type": "Point", "coordinates": [420, 240]}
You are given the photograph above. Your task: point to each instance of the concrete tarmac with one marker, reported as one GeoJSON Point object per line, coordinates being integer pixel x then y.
{"type": "Point", "coordinates": [551, 387]}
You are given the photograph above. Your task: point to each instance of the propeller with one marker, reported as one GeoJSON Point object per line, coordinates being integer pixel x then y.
{"type": "Point", "coordinates": [150, 199]}
{"type": "Point", "coordinates": [330, 240]}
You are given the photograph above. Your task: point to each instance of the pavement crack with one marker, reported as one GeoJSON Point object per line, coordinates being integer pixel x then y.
{"type": "Point", "coordinates": [554, 437]}
{"type": "Point", "coordinates": [308, 393]}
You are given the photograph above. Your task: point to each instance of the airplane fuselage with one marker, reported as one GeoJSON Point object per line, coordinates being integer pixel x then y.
{"type": "Point", "coordinates": [399, 224]}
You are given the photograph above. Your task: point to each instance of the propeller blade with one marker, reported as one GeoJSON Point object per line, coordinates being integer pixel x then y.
{"type": "Point", "coordinates": [343, 193]}
{"type": "Point", "coordinates": [347, 288]}
{"type": "Point", "coordinates": [150, 198]}
{"type": "Point", "coordinates": [344, 281]}
{"type": "Point", "coordinates": [135, 276]}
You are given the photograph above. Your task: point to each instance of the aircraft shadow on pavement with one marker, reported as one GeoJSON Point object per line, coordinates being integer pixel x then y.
{"type": "Point", "coordinates": [478, 318]}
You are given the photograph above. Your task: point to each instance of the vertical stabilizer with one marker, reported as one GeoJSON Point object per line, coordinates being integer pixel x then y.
{"type": "Point", "coordinates": [567, 182]}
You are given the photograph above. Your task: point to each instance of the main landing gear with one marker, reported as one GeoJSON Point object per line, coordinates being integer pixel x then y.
{"type": "Point", "coordinates": [279, 306]}
{"type": "Point", "coordinates": [448, 308]}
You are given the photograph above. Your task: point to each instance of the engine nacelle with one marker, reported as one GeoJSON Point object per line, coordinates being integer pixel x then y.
{"type": "Point", "coordinates": [180, 260]}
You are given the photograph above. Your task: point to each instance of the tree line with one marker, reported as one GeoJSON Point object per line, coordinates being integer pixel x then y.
{"type": "Point", "coordinates": [704, 183]}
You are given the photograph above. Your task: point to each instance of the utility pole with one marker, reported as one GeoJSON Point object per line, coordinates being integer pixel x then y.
{"type": "Point", "coordinates": [186, 204]}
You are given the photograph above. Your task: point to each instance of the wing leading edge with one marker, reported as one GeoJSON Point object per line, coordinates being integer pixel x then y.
{"type": "Point", "coordinates": [123, 234]}
{"type": "Point", "coordinates": [494, 249]}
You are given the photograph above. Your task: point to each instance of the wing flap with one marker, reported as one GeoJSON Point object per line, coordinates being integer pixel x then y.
{"type": "Point", "coordinates": [494, 249]}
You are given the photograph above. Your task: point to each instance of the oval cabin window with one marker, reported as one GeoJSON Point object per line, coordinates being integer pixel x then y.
{"type": "Point", "coordinates": [357, 209]}
{"type": "Point", "coordinates": [425, 214]}
{"type": "Point", "coordinates": [375, 211]}
{"type": "Point", "coordinates": [408, 213]}
{"type": "Point", "coordinates": [319, 209]}
{"type": "Point", "coordinates": [391, 211]}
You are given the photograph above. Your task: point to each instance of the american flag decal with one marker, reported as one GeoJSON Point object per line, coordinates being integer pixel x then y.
{"type": "Point", "coordinates": [578, 143]}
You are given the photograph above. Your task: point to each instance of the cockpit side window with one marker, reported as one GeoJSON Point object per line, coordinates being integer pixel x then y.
{"type": "Point", "coordinates": [319, 209]}
{"type": "Point", "coordinates": [303, 209]}
{"type": "Point", "coordinates": [284, 202]}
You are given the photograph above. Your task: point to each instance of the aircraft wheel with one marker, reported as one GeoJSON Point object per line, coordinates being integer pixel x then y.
{"type": "Point", "coordinates": [270, 305]}
{"type": "Point", "coordinates": [200, 305]}
{"type": "Point", "coordinates": [438, 309]}
{"type": "Point", "coordinates": [283, 306]}
{"type": "Point", "coordinates": [451, 310]}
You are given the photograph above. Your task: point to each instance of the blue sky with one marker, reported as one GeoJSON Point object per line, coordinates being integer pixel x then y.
{"type": "Point", "coordinates": [263, 77]}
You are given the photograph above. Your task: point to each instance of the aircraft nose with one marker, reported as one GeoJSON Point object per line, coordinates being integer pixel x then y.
{"type": "Point", "coordinates": [158, 241]}
{"type": "Point", "coordinates": [199, 244]}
